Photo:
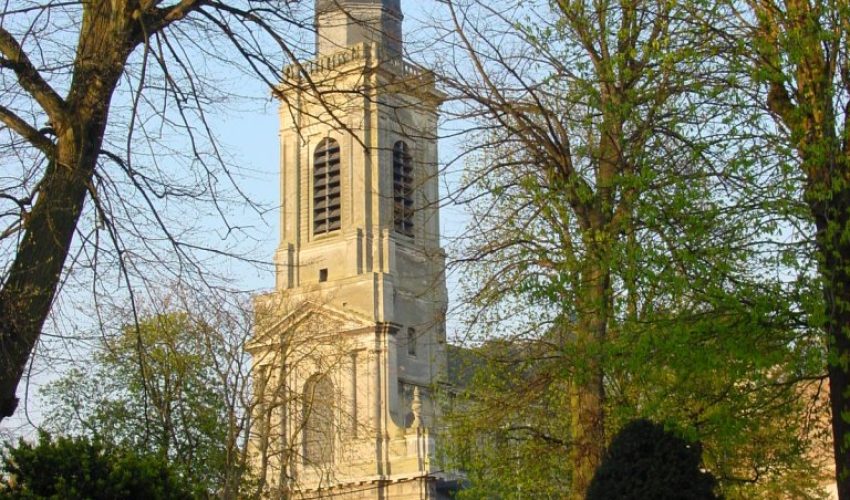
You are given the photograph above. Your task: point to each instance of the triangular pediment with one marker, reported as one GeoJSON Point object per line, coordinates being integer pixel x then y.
{"type": "Point", "coordinates": [309, 318]}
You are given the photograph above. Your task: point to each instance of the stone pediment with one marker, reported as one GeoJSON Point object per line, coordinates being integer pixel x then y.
{"type": "Point", "coordinates": [276, 324]}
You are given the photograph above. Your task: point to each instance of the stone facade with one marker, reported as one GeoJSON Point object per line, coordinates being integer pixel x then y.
{"type": "Point", "coordinates": [350, 346]}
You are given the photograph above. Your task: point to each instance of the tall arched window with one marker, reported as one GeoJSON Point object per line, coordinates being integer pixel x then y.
{"type": "Point", "coordinates": [327, 200]}
{"type": "Point", "coordinates": [402, 189]}
{"type": "Point", "coordinates": [318, 424]}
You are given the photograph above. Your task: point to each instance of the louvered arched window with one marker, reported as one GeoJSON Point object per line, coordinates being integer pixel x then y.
{"type": "Point", "coordinates": [318, 425]}
{"type": "Point", "coordinates": [402, 189]}
{"type": "Point", "coordinates": [327, 199]}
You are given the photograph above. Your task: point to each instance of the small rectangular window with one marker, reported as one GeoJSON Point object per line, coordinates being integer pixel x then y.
{"type": "Point", "coordinates": [323, 275]}
{"type": "Point", "coordinates": [411, 342]}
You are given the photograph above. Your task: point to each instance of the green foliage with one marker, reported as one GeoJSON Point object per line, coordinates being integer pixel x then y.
{"type": "Point", "coordinates": [645, 461]}
{"type": "Point", "coordinates": [160, 389]}
{"type": "Point", "coordinates": [78, 468]}
{"type": "Point", "coordinates": [508, 426]}
{"type": "Point", "coordinates": [795, 65]}
{"type": "Point", "coordinates": [707, 312]}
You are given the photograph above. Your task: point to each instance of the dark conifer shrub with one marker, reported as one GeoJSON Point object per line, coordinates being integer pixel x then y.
{"type": "Point", "coordinates": [78, 468]}
{"type": "Point", "coordinates": [645, 462]}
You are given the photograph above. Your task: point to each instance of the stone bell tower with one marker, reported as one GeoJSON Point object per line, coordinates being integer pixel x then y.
{"type": "Point", "coordinates": [349, 351]}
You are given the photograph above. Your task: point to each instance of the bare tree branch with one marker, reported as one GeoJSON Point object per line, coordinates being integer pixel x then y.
{"type": "Point", "coordinates": [30, 79]}
{"type": "Point", "coordinates": [25, 130]}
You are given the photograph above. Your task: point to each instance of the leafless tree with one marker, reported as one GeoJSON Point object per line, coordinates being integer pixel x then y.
{"type": "Point", "coordinates": [301, 416]}
{"type": "Point", "coordinates": [108, 157]}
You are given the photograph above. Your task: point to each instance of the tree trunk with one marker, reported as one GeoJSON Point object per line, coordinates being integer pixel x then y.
{"type": "Point", "coordinates": [27, 294]}
{"type": "Point", "coordinates": [809, 114]}
{"type": "Point", "coordinates": [108, 34]}
{"type": "Point", "coordinates": [588, 425]}
{"type": "Point", "coordinates": [587, 398]}
{"type": "Point", "coordinates": [832, 219]}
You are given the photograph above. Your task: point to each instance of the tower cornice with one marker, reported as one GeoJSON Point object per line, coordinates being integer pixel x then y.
{"type": "Point", "coordinates": [323, 6]}
{"type": "Point", "coordinates": [401, 75]}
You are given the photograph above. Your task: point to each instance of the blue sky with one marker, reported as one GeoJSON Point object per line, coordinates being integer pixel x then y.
{"type": "Point", "coordinates": [249, 134]}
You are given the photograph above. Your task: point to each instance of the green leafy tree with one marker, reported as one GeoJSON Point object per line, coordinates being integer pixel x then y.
{"type": "Point", "coordinates": [505, 432]}
{"type": "Point", "coordinates": [646, 461]}
{"type": "Point", "coordinates": [798, 52]}
{"type": "Point", "coordinates": [616, 247]}
{"type": "Point", "coordinates": [758, 433]}
{"type": "Point", "coordinates": [165, 387]}
{"type": "Point", "coordinates": [78, 468]}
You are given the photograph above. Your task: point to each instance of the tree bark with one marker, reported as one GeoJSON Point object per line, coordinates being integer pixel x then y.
{"type": "Point", "coordinates": [587, 398]}
{"type": "Point", "coordinates": [80, 121]}
{"type": "Point", "coordinates": [808, 113]}
{"type": "Point", "coordinates": [33, 277]}
{"type": "Point", "coordinates": [832, 219]}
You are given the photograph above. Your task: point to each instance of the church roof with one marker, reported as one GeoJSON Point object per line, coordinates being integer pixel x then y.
{"type": "Point", "coordinates": [462, 363]}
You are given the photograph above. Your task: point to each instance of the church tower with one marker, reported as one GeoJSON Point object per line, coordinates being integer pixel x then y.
{"type": "Point", "coordinates": [349, 351]}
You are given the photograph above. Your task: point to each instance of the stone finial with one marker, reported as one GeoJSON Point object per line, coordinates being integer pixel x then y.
{"type": "Point", "coordinates": [416, 408]}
